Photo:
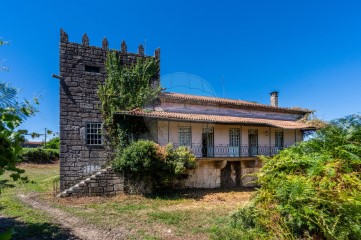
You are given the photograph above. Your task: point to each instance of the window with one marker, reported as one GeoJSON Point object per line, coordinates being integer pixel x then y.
{"type": "Point", "coordinates": [92, 69]}
{"type": "Point", "coordinates": [185, 136]}
{"type": "Point", "coordinates": [279, 140]}
{"type": "Point", "coordinates": [94, 134]}
{"type": "Point", "coordinates": [234, 142]}
{"type": "Point", "coordinates": [234, 137]}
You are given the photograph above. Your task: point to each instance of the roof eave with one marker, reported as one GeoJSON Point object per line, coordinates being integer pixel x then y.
{"type": "Point", "coordinates": [213, 122]}
{"type": "Point", "coordinates": [244, 105]}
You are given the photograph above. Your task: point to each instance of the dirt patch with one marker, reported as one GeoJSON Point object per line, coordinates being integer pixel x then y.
{"type": "Point", "coordinates": [228, 196]}
{"type": "Point", "coordinates": [78, 227]}
{"type": "Point", "coordinates": [39, 165]}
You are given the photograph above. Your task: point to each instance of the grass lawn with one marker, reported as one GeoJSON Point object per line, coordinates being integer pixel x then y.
{"type": "Point", "coordinates": [181, 215]}
{"type": "Point", "coordinates": [30, 223]}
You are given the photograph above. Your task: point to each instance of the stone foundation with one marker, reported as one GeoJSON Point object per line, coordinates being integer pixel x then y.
{"type": "Point", "coordinates": [206, 175]}
{"type": "Point", "coordinates": [221, 173]}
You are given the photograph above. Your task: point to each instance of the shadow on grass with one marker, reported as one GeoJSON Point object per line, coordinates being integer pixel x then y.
{"type": "Point", "coordinates": [34, 230]}
{"type": "Point", "coordinates": [196, 194]}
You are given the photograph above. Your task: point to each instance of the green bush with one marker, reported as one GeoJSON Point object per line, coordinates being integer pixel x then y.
{"type": "Point", "coordinates": [308, 191]}
{"type": "Point", "coordinates": [53, 143]}
{"type": "Point", "coordinates": [162, 165]}
{"type": "Point", "coordinates": [39, 155]}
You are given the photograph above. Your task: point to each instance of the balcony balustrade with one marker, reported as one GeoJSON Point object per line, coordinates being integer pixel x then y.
{"type": "Point", "coordinates": [200, 150]}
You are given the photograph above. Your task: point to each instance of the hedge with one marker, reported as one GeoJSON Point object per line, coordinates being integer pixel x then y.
{"type": "Point", "coordinates": [39, 155]}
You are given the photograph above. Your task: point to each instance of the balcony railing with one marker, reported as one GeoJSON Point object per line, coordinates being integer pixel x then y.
{"type": "Point", "coordinates": [232, 151]}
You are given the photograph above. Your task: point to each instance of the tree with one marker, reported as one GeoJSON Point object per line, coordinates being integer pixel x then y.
{"type": "Point", "coordinates": [12, 114]}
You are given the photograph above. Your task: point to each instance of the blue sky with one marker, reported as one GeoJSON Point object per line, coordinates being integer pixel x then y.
{"type": "Point", "coordinates": [310, 51]}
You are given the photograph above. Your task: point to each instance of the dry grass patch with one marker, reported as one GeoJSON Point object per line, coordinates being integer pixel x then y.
{"type": "Point", "coordinates": [177, 215]}
{"type": "Point", "coordinates": [184, 214]}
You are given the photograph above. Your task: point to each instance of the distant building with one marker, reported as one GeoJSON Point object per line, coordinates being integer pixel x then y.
{"type": "Point", "coordinates": [32, 144]}
{"type": "Point", "coordinates": [225, 135]}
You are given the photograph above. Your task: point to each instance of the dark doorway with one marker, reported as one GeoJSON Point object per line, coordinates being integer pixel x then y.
{"type": "Point", "coordinates": [207, 142]}
{"type": "Point", "coordinates": [231, 175]}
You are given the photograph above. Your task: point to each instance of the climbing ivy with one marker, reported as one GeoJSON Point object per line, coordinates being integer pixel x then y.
{"type": "Point", "coordinates": [126, 87]}
{"type": "Point", "coordinates": [129, 87]}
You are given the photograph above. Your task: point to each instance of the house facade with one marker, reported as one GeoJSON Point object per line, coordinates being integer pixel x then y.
{"type": "Point", "coordinates": [225, 135]}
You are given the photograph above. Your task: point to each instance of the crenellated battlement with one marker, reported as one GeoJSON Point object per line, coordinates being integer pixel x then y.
{"type": "Point", "coordinates": [85, 42]}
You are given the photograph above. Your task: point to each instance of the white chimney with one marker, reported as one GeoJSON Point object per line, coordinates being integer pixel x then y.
{"type": "Point", "coordinates": [274, 99]}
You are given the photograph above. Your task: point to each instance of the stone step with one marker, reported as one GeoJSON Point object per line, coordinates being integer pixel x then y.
{"type": "Point", "coordinates": [82, 184]}
{"type": "Point", "coordinates": [80, 187]}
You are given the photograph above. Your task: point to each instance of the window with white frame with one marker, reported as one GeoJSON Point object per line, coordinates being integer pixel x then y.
{"type": "Point", "coordinates": [234, 137]}
{"type": "Point", "coordinates": [234, 142]}
{"type": "Point", "coordinates": [94, 134]}
{"type": "Point", "coordinates": [185, 136]}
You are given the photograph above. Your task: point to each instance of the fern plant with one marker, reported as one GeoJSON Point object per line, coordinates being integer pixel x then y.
{"type": "Point", "coordinates": [308, 191]}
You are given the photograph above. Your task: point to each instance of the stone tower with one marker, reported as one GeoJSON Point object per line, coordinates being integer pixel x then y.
{"type": "Point", "coordinates": [83, 147]}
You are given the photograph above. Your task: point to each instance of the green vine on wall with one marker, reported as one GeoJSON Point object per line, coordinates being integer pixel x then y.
{"type": "Point", "coordinates": [129, 87]}
{"type": "Point", "coordinates": [126, 87]}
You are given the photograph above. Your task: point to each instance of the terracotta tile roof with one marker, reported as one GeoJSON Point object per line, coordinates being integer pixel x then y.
{"type": "Point", "coordinates": [180, 96]}
{"type": "Point", "coordinates": [215, 119]}
{"type": "Point", "coordinates": [32, 142]}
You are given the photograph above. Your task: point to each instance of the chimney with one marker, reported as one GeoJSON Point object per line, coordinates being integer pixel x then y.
{"type": "Point", "coordinates": [274, 99]}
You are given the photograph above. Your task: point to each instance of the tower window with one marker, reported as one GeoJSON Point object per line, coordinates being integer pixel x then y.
{"type": "Point", "coordinates": [92, 69]}
{"type": "Point", "coordinates": [94, 134]}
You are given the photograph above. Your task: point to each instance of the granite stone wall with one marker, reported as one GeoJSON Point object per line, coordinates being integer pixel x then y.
{"type": "Point", "coordinates": [82, 70]}
{"type": "Point", "coordinates": [103, 183]}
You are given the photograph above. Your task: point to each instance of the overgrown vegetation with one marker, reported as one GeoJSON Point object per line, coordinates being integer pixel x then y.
{"type": "Point", "coordinates": [309, 191]}
{"type": "Point", "coordinates": [312, 121]}
{"type": "Point", "coordinates": [53, 143]}
{"type": "Point", "coordinates": [161, 165]}
{"type": "Point", "coordinates": [126, 87]}
{"type": "Point", "coordinates": [39, 155]}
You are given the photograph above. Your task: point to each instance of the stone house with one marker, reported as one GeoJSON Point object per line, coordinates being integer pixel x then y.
{"type": "Point", "coordinates": [225, 135]}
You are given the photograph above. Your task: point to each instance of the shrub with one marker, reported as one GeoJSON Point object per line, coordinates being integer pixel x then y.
{"type": "Point", "coordinates": [161, 164]}
{"type": "Point", "coordinates": [39, 155]}
{"type": "Point", "coordinates": [53, 143]}
{"type": "Point", "coordinates": [308, 191]}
